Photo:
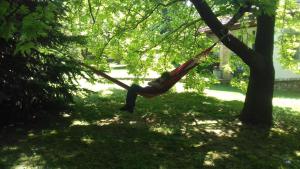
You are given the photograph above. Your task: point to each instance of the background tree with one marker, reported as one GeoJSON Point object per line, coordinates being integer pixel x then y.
{"type": "Point", "coordinates": [288, 25]}
{"type": "Point", "coordinates": [36, 70]}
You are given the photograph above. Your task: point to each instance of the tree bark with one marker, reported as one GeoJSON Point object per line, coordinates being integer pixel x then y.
{"type": "Point", "coordinates": [231, 42]}
{"type": "Point", "coordinates": [258, 103]}
{"type": "Point", "coordinates": [257, 108]}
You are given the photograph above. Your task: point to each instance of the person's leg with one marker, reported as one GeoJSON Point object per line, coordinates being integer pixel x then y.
{"type": "Point", "coordinates": [131, 98]}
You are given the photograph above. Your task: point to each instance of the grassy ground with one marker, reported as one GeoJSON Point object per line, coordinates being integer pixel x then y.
{"type": "Point", "coordinates": [174, 131]}
{"type": "Point", "coordinates": [277, 93]}
{"type": "Point", "coordinates": [284, 99]}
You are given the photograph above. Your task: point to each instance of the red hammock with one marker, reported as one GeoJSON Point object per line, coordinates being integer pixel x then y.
{"type": "Point", "coordinates": [176, 75]}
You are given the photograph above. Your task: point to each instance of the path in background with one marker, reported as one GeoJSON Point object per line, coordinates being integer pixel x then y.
{"type": "Point", "coordinates": [118, 72]}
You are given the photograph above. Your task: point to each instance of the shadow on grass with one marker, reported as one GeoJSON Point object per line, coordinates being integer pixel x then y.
{"type": "Point", "coordinates": [174, 131]}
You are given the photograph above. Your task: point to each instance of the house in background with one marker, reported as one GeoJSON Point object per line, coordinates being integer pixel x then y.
{"type": "Point", "coordinates": [284, 79]}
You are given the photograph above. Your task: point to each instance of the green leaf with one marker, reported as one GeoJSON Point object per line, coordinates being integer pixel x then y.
{"type": "Point", "coordinates": [24, 48]}
{"type": "Point", "coordinates": [7, 29]}
{"type": "Point", "coordinates": [4, 6]}
{"type": "Point", "coordinates": [23, 10]}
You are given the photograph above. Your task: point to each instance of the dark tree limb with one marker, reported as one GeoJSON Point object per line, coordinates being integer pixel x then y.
{"type": "Point", "coordinates": [91, 12]}
{"type": "Point", "coordinates": [242, 10]}
{"type": "Point", "coordinates": [234, 44]}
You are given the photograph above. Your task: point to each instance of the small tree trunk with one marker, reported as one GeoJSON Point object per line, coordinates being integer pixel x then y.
{"type": "Point", "coordinates": [258, 106]}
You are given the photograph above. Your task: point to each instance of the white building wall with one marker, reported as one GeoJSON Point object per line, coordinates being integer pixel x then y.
{"type": "Point", "coordinates": [280, 72]}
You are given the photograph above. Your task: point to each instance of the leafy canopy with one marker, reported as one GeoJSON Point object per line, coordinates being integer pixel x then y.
{"type": "Point", "coordinates": [160, 34]}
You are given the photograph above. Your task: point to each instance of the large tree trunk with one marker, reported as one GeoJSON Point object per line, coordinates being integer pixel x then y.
{"type": "Point", "coordinates": [258, 103]}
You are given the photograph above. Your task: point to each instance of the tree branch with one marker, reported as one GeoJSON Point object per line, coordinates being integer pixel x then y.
{"type": "Point", "coordinates": [170, 3]}
{"type": "Point", "coordinates": [91, 12]}
{"type": "Point", "coordinates": [180, 28]}
{"type": "Point", "coordinates": [154, 9]}
{"type": "Point", "coordinates": [238, 15]}
{"type": "Point", "coordinates": [234, 44]}
{"type": "Point", "coordinates": [122, 30]}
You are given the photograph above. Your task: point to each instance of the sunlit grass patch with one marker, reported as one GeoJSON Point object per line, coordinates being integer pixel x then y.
{"type": "Point", "coordinates": [65, 115]}
{"type": "Point", "coordinates": [25, 161]}
{"type": "Point", "coordinates": [211, 156]}
{"type": "Point", "coordinates": [108, 121]}
{"type": "Point", "coordinates": [80, 123]}
{"type": "Point", "coordinates": [162, 129]}
{"type": "Point", "coordinates": [9, 148]}
{"type": "Point", "coordinates": [87, 139]}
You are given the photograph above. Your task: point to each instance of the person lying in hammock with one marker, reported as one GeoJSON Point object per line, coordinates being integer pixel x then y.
{"type": "Point", "coordinates": [154, 87]}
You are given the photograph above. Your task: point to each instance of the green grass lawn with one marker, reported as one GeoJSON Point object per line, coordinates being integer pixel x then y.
{"type": "Point", "coordinates": [284, 99]}
{"type": "Point", "coordinates": [173, 131]}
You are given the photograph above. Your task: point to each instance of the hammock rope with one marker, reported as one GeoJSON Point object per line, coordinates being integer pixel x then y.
{"type": "Point", "coordinates": [106, 76]}
{"type": "Point", "coordinates": [176, 74]}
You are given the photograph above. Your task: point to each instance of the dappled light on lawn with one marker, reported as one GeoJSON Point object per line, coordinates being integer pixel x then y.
{"type": "Point", "coordinates": [108, 121]}
{"type": "Point", "coordinates": [218, 132]}
{"type": "Point", "coordinates": [30, 134]}
{"type": "Point", "coordinates": [204, 122]}
{"type": "Point", "coordinates": [65, 115]}
{"type": "Point", "coordinates": [173, 131]}
{"type": "Point", "coordinates": [10, 148]}
{"type": "Point", "coordinates": [162, 129]}
{"type": "Point", "coordinates": [32, 161]}
{"type": "Point", "coordinates": [211, 156]}
{"type": "Point", "coordinates": [87, 140]}
{"type": "Point", "coordinates": [279, 131]}
{"type": "Point", "coordinates": [80, 123]}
